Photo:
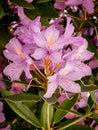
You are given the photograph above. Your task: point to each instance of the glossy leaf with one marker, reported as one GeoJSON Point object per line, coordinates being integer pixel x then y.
{"type": "Point", "coordinates": [47, 113]}
{"type": "Point", "coordinates": [70, 122]}
{"type": "Point", "coordinates": [22, 3]}
{"type": "Point", "coordinates": [42, 1]}
{"type": "Point", "coordinates": [88, 89]}
{"type": "Point", "coordinates": [95, 116]}
{"type": "Point", "coordinates": [22, 110]}
{"type": "Point", "coordinates": [1, 12]}
{"type": "Point", "coordinates": [43, 10]}
{"type": "Point", "coordinates": [67, 104]}
{"type": "Point", "coordinates": [79, 127]}
{"type": "Point", "coordinates": [91, 101]}
{"type": "Point", "coordinates": [23, 97]}
{"type": "Point", "coordinates": [4, 37]}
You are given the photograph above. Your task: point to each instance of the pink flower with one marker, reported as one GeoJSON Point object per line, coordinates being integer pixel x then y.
{"type": "Point", "coordinates": [83, 100]}
{"type": "Point", "coordinates": [51, 41]}
{"type": "Point", "coordinates": [2, 117]}
{"type": "Point", "coordinates": [66, 77]}
{"type": "Point", "coordinates": [17, 88]}
{"type": "Point", "coordinates": [25, 33]}
{"type": "Point", "coordinates": [87, 4]}
{"type": "Point", "coordinates": [6, 128]}
{"type": "Point", "coordinates": [23, 18]}
{"type": "Point", "coordinates": [93, 63]}
{"type": "Point", "coordinates": [79, 50]}
{"type": "Point", "coordinates": [20, 60]}
{"type": "Point", "coordinates": [47, 41]}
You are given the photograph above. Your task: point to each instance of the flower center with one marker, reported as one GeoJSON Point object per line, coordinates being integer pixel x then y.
{"type": "Point", "coordinates": [19, 52]}
{"type": "Point", "coordinates": [50, 41]}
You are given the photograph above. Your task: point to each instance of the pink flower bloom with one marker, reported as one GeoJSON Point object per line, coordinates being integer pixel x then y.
{"type": "Point", "coordinates": [25, 33]}
{"type": "Point", "coordinates": [23, 18]}
{"type": "Point", "coordinates": [2, 117]}
{"type": "Point", "coordinates": [83, 100]}
{"type": "Point", "coordinates": [87, 4]}
{"type": "Point", "coordinates": [46, 42]}
{"type": "Point", "coordinates": [66, 77]}
{"type": "Point", "coordinates": [17, 88]}
{"type": "Point", "coordinates": [60, 5]}
{"type": "Point", "coordinates": [96, 128]}
{"type": "Point", "coordinates": [20, 60]}
{"type": "Point", "coordinates": [61, 98]}
{"type": "Point", "coordinates": [29, 1]}
{"type": "Point", "coordinates": [6, 128]}
{"type": "Point", "coordinates": [93, 63]}
{"type": "Point", "coordinates": [51, 41]}
{"type": "Point", "coordinates": [79, 50]}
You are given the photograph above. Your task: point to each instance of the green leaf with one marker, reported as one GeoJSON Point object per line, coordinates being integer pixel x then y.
{"type": "Point", "coordinates": [79, 127]}
{"type": "Point", "coordinates": [42, 1]}
{"type": "Point", "coordinates": [91, 101]}
{"type": "Point", "coordinates": [1, 12]}
{"type": "Point", "coordinates": [95, 116]}
{"type": "Point", "coordinates": [22, 110]}
{"type": "Point", "coordinates": [23, 97]}
{"type": "Point", "coordinates": [67, 104]}
{"type": "Point", "coordinates": [72, 127]}
{"type": "Point", "coordinates": [92, 94]}
{"type": "Point", "coordinates": [46, 117]}
{"type": "Point", "coordinates": [2, 1]}
{"type": "Point", "coordinates": [51, 100]}
{"type": "Point", "coordinates": [4, 37]}
{"type": "Point", "coordinates": [23, 4]}
{"type": "Point", "coordinates": [43, 10]}
{"type": "Point", "coordinates": [69, 123]}
{"type": "Point", "coordinates": [88, 89]}
{"type": "Point", "coordinates": [8, 10]}
{"type": "Point", "coordinates": [46, 10]}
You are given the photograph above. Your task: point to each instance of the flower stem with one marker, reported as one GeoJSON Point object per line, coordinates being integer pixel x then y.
{"type": "Point", "coordinates": [48, 122]}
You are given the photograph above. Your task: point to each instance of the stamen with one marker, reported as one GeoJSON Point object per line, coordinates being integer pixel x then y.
{"type": "Point", "coordinates": [85, 84]}
{"type": "Point", "coordinates": [39, 70]}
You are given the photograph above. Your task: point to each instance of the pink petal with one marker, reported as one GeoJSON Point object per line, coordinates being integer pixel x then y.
{"type": "Point", "coordinates": [39, 40]}
{"type": "Point", "coordinates": [79, 70]}
{"type": "Point", "coordinates": [27, 72]}
{"type": "Point", "coordinates": [73, 2]}
{"type": "Point", "coordinates": [89, 5]}
{"type": "Point", "coordinates": [70, 86]}
{"type": "Point", "coordinates": [54, 58]}
{"type": "Point", "coordinates": [6, 128]}
{"type": "Point", "coordinates": [24, 19]}
{"type": "Point", "coordinates": [69, 28]}
{"type": "Point", "coordinates": [59, 5]}
{"type": "Point", "coordinates": [52, 86]}
{"type": "Point", "coordinates": [13, 71]}
{"type": "Point", "coordinates": [1, 106]}
{"type": "Point", "coordinates": [29, 1]}
{"type": "Point", "coordinates": [93, 63]}
{"type": "Point", "coordinates": [2, 117]}
{"type": "Point", "coordinates": [51, 34]}
{"type": "Point", "coordinates": [38, 54]}
{"type": "Point", "coordinates": [13, 45]}
{"type": "Point", "coordinates": [35, 25]}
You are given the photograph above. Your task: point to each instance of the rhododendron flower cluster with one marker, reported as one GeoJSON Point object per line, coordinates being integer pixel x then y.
{"type": "Point", "coordinates": [61, 55]}
{"type": "Point", "coordinates": [48, 64]}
